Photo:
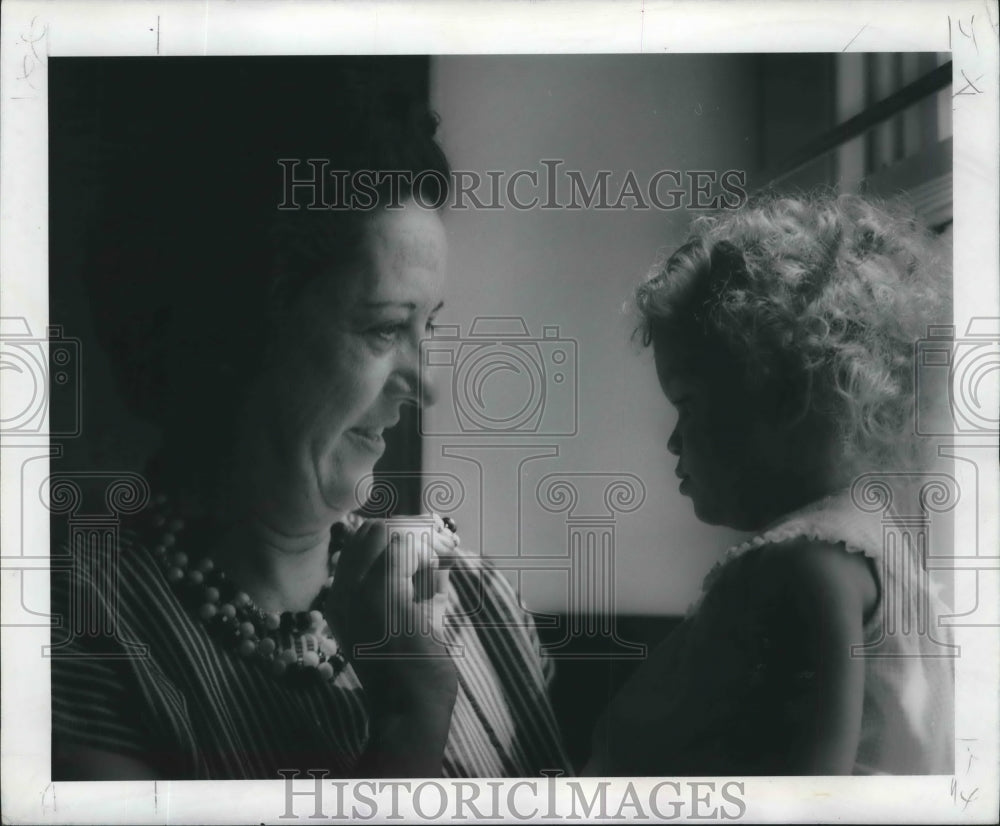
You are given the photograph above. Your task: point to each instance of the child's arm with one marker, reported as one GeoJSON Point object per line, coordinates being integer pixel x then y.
{"type": "Point", "coordinates": [827, 592]}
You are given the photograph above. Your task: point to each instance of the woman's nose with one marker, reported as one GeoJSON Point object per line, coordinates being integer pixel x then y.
{"type": "Point", "coordinates": [412, 381]}
{"type": "Point", "coordinates": [426, 394]}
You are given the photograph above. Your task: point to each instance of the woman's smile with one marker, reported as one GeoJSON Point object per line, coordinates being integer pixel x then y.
{"type": "Point", "coordinates": [369, 438]}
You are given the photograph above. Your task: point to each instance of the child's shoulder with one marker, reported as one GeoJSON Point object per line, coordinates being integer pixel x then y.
{"type": "Point", "coordinates": [815, 575]}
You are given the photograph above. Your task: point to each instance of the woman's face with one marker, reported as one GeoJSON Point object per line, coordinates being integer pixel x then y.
{"type": "Point", "coordinates": [730, 454]}
{"type": "Point", "coordinates": [347, 361]}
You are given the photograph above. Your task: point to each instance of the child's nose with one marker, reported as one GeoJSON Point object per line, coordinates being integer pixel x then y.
{"type": "Point", "coordinates": [674, 442]}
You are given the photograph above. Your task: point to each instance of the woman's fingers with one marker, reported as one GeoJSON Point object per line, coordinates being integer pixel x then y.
{"type": "Point", "coordinates": [419, 556]}
{"type": "Point", "coordinates": [410, 550]}
{"type": "Point", "coordinates": [442, 578]}
{"type": "Point", "coordinates": [361, 551]}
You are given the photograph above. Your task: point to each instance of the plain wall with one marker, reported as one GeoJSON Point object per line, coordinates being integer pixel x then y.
{"type": "Point", "coordinates": [576, 270]}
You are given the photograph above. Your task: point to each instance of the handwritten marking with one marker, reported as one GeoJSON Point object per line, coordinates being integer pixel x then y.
{"type": "Point", "coordinates": [50, 789]}
{"type": "Point", "coordinates": [642, 26]}
{"type": "Point", "coordinates": [849, 42]}
{"type": "Point", "coordinates": [969, 84]}
{"type": "Point", "coordinates": [973, 28]}
{"type": "Point", "coordinates": [958, 794]}
{"type": "Point", "coordinates": [30, 61]}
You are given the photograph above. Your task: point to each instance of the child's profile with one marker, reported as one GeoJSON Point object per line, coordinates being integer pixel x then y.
{"type": "Point", "coordinates": [783, 333]}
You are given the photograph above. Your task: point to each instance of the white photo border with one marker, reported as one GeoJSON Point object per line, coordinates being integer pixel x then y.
{"type": "Point", "coordinates": [33, 30]}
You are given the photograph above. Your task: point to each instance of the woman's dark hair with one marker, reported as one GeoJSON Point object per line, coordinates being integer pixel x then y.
{"type": "Point", "coordinates": [194, 260]}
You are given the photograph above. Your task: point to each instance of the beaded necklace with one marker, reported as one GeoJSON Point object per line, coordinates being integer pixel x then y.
{"type": "Point", "coordinates": [297, 646]}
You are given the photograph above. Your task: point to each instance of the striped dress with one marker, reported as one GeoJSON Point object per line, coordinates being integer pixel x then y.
{"type": "Point", "coordinates": [191, 709]}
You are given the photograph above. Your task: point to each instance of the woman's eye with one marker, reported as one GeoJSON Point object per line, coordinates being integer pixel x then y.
{"type": "Point", "coordinates": [386, 333]}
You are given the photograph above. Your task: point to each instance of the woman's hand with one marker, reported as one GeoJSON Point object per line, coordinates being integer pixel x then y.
{"type": "Point", "coordinates": [386, 608]}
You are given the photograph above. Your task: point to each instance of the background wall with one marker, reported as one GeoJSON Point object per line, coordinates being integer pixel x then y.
{"type": "Point", "coordinates": [575, 270]}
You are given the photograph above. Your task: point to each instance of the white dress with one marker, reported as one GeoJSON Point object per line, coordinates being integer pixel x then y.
{"type": "Point", "coordinates": [710, 699]}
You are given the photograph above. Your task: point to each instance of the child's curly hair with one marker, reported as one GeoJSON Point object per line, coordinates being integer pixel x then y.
{"type": "Point", "coordinates": [818, 298]}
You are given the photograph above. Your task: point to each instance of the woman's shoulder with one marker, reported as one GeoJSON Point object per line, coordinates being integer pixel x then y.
{"type": "Point", "coordinates": [122, 581]}
{"type": "Point", "coordinates": [119, 558]}
{"type": "Point", "coordinates": [472, 571]}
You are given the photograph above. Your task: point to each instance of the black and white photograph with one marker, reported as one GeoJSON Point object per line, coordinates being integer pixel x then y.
{"type": "Point", "coordinates": [523, 426]}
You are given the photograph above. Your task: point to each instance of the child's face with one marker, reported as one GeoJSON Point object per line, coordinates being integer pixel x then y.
{"type": "Point", "coordinates": [731, 453]}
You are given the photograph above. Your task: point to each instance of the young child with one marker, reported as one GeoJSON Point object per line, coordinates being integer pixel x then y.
{"type": "Point", "coordinates": [784, 334]}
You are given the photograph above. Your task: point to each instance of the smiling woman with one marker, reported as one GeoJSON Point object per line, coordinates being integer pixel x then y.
{"type": "Point", "coordinates": [274, 349]}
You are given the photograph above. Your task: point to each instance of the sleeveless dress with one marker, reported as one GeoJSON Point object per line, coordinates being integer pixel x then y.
{"type": "Point", "coordinates": [719, 695]}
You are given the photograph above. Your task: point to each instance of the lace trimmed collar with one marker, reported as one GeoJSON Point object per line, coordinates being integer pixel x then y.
{"type": "Point", "coordinates": [834, 518]}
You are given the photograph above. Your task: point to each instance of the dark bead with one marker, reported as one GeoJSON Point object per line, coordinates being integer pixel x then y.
{"type": "Point", "coordinates": [224, 629]}
{"type": "Point", "coordinates": [215, 577]}
{"type": "Point", "coordinates": [303, 621]}
{"type": "Point", "coordinates": [227, 590]}
{"type": "Point", "coordinates": [287, 623]}
{"type": "Point", "coordinates": [338, 536]}
{"type": "Point", "coordinates": [295, 675]}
